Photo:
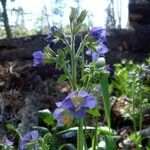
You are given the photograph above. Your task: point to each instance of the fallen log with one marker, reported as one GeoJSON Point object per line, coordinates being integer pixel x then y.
{"type": "Point", "coordinates": [131, 44]}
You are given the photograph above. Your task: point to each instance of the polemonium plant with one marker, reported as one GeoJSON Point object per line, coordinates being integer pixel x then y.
{"type": "Point", "coordinates": [81, 75]}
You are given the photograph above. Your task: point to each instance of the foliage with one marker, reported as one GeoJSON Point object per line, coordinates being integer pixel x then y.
{"type": "Point", "coordinates": [124, 74]}
{"type": "Point", "coordinates": [133, 80]}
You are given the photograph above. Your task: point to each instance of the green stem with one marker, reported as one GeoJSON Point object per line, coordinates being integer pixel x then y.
{"type": "Point", "coordinates": [133, 111]}
{"type": "Point", "coordinates": [95, 135]}
{"type": "Point", "coordinates": [82, 64]}
{"type": "Point", "coordinates": [73, 60]}
{"type": "Point", "coordinates": [85, 134]}
{"type": "Point", "coordinates": [73, 64]}
{"type": "Point", "coordinates": [82, 44]}
{"type": "Point", "coordinates": [140, 109]}
{"type": "Point", "coordinates": [80, 136]}
{"type": "Point", "coordinates": [66, 42]}
{"type": "Point", "coordinates": [87, 83]}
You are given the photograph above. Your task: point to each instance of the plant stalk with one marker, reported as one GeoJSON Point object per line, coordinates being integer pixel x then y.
{"type": "Point", "coordinates": [80, 136]}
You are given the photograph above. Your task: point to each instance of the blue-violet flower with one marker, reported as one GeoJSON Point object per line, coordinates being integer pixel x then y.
{"type": "Point", "coordinates": [50, 38]}
{"type": "Point", "coordinates": [29, 137]}
{"type": "Point", "coordinates": [38, 57]}
{"type": "Point", "coordinates": [78, 102]}
{"type": "Point", "coordinates": [101, 49]}
{"type": "Point", "coordinates": [63, 116]}
{"type": "Point", "coordinates": [99, 35]}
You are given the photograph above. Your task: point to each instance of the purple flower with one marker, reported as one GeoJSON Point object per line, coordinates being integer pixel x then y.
{"type": "Point", "coordinates": [101, 49]}
{"type": "Point", "coordinates": [54, 29]}
{"type": "Point", "coordinates": [30, 136]}
{"type": "Point", "coordinates": [110, 70]}
{"type": "Point", "coordinates": [98, 33]}
{"type": "Point", "coordinates": [38, 57]}
{"type": "Point", "coordinates": [63, 117]}
{"type": "Point", "coordinates": [8, 143]}
{"type": "Point", "coordinates": [50, 39]}
{"type": "Point", "coordinates": [78, 102]}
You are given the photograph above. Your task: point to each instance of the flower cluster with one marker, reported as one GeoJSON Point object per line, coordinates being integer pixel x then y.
{"type": "Point", "coordinates": [76, 103]}
{"type": "Point", "coordinates": [50, 38]}
{"type": "Point", "coordinates": [99, 35]}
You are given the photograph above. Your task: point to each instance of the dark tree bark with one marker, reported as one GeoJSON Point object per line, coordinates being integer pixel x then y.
{"type": "Point", "coordinates": [5, 19]}
{"type": "Point", "coordinates": [139, 12]}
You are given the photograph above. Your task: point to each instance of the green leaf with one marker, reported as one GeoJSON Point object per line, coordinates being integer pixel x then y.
{"type": "Point", "coordinates": [110, 142]}
{"type": "Point", "coordinates": [59, 35]}
{"type": "Point", "coordinates": [94, 112]}
{"type": "Point", "coordinates": [48, 138]}
{"type": "Point", "coordinates": [41, 130]}
{"type": "Point", "coordinates": [10, 127]}
{"type": "Point", "coordinates": [49, 55]}
{"type": "Point", "coordinates": [76, 28]}
{"type": "Point", "coordinates": [105, 130]}
{"type": "Point", "coordinates": [106, 102]}
{"type": "Point", "coordinates": [68, 146]}
{"type": "Point", "coordinates": [75, 129]}
{"type": "Point", "coordinates": [136, 137]}
{"type": "Point", "coordinates": [81, 17]}
{"type": "Point", "coordinates": [31, 145]}
{"type": "Point", "coordinates": [46, 116]}
{"type": "Point", "coordinates": [62, 78]}
{"type": "Point", "coordinates": [61, 56]}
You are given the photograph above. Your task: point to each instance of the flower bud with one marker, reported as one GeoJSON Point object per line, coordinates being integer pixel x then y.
{"type": "Point", "coordinates": [73, 14]}
{"type": "Point", "coordinates": [48, 58]}
{"type": "Point", "coordinates": [100, 62]}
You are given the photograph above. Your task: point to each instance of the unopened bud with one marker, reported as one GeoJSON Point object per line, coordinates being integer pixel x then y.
{"type": "Point", "coordinates": [100, 62]}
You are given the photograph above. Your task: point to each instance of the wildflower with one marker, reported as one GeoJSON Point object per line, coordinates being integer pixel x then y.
{"type": "Point", "coordinates": [99, 35]}
{"type": "Point", "coordinates": [38, 57]}
{"type": "Point", "coordinates": [63, 117]}
{"type": "Point", "coordinates": [50, 39]}
{"type": "Point", "coordinates": [78, 102]}
{"type": "Point", "coordinates": [29, 137]}
{"type": "Point", "coordinates": [101, 49]}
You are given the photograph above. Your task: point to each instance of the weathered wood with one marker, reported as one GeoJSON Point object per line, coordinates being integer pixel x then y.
{"type": "Point", "coordinates": [132, 44]}
{"type": "Point", "coordinates": [139, 14]}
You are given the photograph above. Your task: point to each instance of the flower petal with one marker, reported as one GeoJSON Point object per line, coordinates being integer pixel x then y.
{"type": "Point", "coordinates": [98, 33]}
{"type": "Point", "coordinates": [67, 104]}
{"type": "Point", "coordinates": [80, 113]}
{"type": "Point", "coordinates": [58, 113]}
{"type": "Point", "coordinates": [34, 135]}
{"type": "Point", "coordinates": [90, 102]}
{"type": "Point", "coordinates": [38, 57]}
{"type": "Point", "coordinates": [101, 48]}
